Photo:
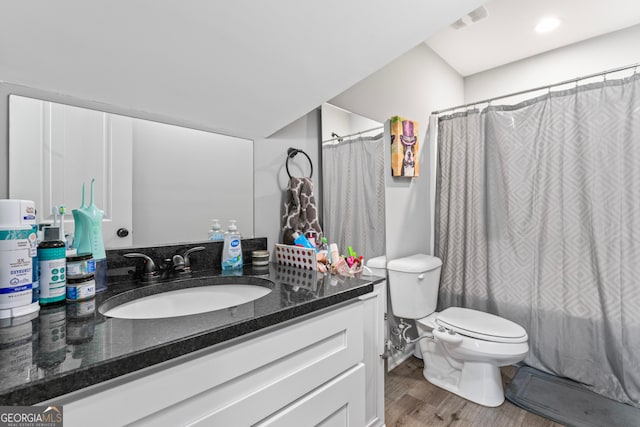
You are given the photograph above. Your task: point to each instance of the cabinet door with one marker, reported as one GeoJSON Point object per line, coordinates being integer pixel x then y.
{"type": "Point", "coordinates": [339, 402]}
{"type": "Point", "coordinates": [374, 336]}
{"type": "Point", "coordinates": [50, 162]}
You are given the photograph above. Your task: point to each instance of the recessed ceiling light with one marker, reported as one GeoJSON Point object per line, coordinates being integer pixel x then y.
{"type": "Point", "coordinates": [547, 24]}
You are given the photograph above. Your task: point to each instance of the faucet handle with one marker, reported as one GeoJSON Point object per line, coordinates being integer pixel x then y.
{"type": "Point", "coordinates": [178, 262]}
{"type": "Point", "coordinates": [150, 269]}
{"type": "Point", "coordinates": [187, 262]}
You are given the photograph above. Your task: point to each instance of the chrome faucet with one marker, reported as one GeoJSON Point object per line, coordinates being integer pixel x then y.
{"type": "Point", "coordinates": [169, 268]}
{"type": "Point", "coordinates": [178, 264]}
{"type": "Point", "coordinates": [187, 260]}
{"type": "Point", "coordinates": [149, 270]}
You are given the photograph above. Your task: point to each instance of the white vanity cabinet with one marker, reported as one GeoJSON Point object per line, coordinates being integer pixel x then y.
{"type": "Point", "coordinates": [322, 369]}
{"type": "Point", "coordinates": [375, 305]}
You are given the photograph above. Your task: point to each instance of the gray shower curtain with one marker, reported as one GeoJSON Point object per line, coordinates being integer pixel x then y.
{"type": "Point", "coordinates": [538, 221]}
{"type": "Point", "coordinates": [353, 194]}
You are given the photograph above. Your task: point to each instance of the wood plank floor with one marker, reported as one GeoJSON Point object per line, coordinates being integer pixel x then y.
{"type": "Point", "coordinates": [410, 401]}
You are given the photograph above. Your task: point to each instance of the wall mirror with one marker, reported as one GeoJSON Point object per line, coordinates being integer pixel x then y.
{"type": "Point", "coordinates": [160, 182]}
{"type": "Point", "coordinates": [353, 183]}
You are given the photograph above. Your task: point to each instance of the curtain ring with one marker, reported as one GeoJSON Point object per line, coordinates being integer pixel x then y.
{"type": "Point", "coordinates": [291, 153]}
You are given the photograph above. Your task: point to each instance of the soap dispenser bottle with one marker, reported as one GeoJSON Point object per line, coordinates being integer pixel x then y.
{"type": "Point", "coordinates": [215, 233]}
{"type": "Point", "coordinates": [232, 249]}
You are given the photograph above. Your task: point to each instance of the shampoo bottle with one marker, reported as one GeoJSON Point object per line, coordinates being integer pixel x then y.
{"type": "Point", "coordinates": [232, 248]}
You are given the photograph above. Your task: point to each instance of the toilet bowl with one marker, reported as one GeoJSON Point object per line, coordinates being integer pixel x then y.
{"type": "Point", "coordinates": [463, 349]}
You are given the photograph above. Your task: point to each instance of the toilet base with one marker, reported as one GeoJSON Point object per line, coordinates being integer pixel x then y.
{"type": "Point", "coordinates": [478, 382]}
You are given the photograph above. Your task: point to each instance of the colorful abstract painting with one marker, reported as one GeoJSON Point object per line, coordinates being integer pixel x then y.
{"type": "Point", "coordinates": [404, 147]}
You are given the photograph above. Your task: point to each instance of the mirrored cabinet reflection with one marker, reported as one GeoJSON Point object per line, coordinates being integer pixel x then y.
{"type": "Point", "coordinates": [157, 183]}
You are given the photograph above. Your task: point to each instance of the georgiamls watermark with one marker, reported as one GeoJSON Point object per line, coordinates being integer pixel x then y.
{"type": "Point", "coordinates": [30, 416]}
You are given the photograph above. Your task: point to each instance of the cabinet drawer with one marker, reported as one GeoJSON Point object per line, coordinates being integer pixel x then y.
{"type": "Point", "coordinates": [340, 402]}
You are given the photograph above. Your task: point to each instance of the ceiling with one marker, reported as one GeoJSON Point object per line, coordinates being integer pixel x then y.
{"type": "Point", "coordinates": [507, 35]}
{"type": "Point", "coordinates": [247, 68]}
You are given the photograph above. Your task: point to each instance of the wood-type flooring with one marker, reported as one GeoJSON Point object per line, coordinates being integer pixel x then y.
{"type": "Point", "coordinates": [411, 401]}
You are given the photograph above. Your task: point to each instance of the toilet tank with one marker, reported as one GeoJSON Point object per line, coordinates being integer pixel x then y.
{"type": "Point", "coordinates": [413, 285]}
{"type": "Point", "coordinates": [378, 266]}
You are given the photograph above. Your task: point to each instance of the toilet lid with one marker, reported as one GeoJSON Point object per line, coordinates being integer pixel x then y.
{"type": "Point", "coordinates": [484, 326]}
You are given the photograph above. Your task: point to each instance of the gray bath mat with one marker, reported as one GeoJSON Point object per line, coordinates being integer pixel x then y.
{"type": "Point", "coordinates": [567, 402]}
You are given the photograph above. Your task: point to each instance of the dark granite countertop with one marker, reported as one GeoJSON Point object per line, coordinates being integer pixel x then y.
{"type": "Point", "coordinates": [71, 346]}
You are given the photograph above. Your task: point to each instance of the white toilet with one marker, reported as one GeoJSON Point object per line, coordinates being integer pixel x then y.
{"type": "Point", "coordinates": [378, 266]}
{"type": "Point", "coordinates": [468, 346]}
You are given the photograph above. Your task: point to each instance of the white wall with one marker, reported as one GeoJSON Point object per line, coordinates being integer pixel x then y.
{"type": "Point", "coordinates": [411, 86]}
{"type": "Point", "coordinates": [594, 55]}
{"type": "Point", "coordinates": [270, 175]}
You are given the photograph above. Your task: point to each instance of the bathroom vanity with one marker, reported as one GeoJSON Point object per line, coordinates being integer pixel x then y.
{"type": "Point", "coordinates": [306, 353]}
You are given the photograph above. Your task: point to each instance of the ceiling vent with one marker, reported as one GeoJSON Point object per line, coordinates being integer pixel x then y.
{"type": "Point", "coordinates": [473, 17]}
{"type": "Point", "coordinates": [459, 24]}
{"type": "Point", "coordinates": [478, 14]}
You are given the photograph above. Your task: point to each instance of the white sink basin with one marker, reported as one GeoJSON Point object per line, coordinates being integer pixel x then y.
{"type": "Point", "coordinates": [183, 302]}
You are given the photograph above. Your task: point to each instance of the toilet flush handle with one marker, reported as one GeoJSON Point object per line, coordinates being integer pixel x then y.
{"type": "Point", "coordinates": [421, 277]}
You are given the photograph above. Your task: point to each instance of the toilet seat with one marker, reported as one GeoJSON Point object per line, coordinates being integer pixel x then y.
{"type": "Point", "coordinates": [480, 325]}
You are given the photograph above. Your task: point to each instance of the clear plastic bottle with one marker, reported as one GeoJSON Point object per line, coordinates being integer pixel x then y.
{"type": "Point", "coordinates": [324, 249]}
{"type": "Point", "coordinates": [232, 249]}
{"type": "Point", "coordinates": [215, 233]}
{"type": "Point", "coordinates": [233, 227]}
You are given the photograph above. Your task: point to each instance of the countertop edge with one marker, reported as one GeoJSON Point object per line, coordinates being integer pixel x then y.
{"type": "Point", "coordinates": [54, 387]}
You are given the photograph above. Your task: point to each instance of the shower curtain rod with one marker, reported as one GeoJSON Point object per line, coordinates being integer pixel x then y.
{"type": "Point", "coordinates": [353, 134]}
{"type": "Point", "coordinates": [522, 92]}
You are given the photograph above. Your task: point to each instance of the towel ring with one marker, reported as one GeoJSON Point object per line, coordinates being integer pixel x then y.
{"type": "Point", "coordinates": [291, 153]}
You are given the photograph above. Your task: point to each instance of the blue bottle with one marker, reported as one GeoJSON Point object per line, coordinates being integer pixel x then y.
{"type": "Point", "coordinates": [301, 240]}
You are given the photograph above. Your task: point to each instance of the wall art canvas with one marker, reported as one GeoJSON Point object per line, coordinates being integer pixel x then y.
{"type": "Point", "coordinates": [404, 147]}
